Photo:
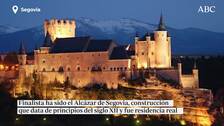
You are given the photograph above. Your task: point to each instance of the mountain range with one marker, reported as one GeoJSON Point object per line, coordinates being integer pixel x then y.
{"type": "Point", "coordinates": [189, 41]}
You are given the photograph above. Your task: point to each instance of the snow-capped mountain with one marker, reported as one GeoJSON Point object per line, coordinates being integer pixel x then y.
{"type": "Point", "coordinates": [8, 29]}
{"type": "Point", "coordinates": [110, 26]}
{"type": "Point", "coordinates": [184, 41]}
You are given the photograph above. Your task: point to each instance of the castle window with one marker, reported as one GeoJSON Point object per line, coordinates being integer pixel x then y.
{"type": "Point", "coordinates": [117, 68]}
{"type": "Point", "coordinates": [69, 69]}
{"type": "Point", "coordinates": [142, 53]}
{"type": "Point", "coordinates": [111, 69]}
{"type": "Point", "coordinates": [98, 54]}
{"type": "Point", "coordinates": [133, 66]}
{"type": "Point", "coordinates": [152, 53]}
{"type": "Point", "coordinates": [114, 68]}
{"type": "Point", "coordinates": [43, 61]}
{"type": "Point", "coordinates": [125, 68]}
{"type": "Point", "coordinates": [78, 68]}
{"type": "Point", "coordinates": [121, 68]}
{"type": "Point", "coordinates": [44, 69]}
{"type": "Point", "coordinates": [92, 54]}
{"type": "Point", "coordinates": [61, 69]}
{"type": "Point", "coordinates": [96, 68]}
{"type": "Point", "coordinates": [104, 68]}
{"type": "Point", "coordinates": [53, 69]}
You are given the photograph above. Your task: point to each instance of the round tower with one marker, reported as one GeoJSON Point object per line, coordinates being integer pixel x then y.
{"type": "Point", "coordinates": [162, 46]}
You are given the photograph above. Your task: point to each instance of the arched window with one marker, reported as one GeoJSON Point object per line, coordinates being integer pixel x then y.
{"type": "Point", "coordinates": [69, 69]}
{"type": "Point", "coordinates": [78, 68]}
{"type": "Point", "coordinates": [61, 69]}
{"type": "Point", "coordinates": [44, 70]}
{"type": "Point", "coordinates": [53, 69]}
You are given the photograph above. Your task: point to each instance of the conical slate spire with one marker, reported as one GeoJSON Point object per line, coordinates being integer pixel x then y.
{"type": "Point", "coordinates": [195, 64]}
{"type": "Point", "coordinates": [36, 47]}
{"type": "Point", "coordinates": [161, 26]}
{"type": "Point", "coordinates": [147, 34]}
{"type": "Point", "coordinates": [136, 34]}
{"type": "Point", "coordinates": [47, 41]}
{"type": "Point", "coordinates": [22, 50]}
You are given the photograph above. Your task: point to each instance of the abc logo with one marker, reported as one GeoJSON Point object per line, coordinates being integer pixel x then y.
{"type": "Point", "coordinates": [206, 9]}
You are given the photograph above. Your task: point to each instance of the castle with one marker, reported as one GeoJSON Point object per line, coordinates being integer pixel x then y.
{"type": "Point", "coordinates": [85, 61]}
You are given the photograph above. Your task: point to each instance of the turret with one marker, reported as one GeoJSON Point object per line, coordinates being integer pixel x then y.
{"type": "Point", "coordinates": [136, 37]}
{"type": "Point", "coordinates": [195, 75]}
{"type": "Point", "coordinates": [22, 55]}
{"type": "Point", "coordinates": [36, 49]}
{"type": "Point", "coordinates": [179, 67]}
{"type": "Point", "coordinates": [147, 36]}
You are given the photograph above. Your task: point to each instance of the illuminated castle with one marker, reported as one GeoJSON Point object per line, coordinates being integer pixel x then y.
{"type": "Point", "coordinates": [154, 51]}
{"type": "Point", "coordinates": [86, 61]}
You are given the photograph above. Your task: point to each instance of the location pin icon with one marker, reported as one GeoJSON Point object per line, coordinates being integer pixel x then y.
{"type": "Point", "coordinates": [15, 9]}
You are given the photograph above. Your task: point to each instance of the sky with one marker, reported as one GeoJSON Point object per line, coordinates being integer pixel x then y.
{"type": "Point", "coordinates": [177, 13]}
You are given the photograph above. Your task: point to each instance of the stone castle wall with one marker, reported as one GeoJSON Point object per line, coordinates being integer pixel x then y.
{"type": "Point", "coordinates": [82, 79]}
{"type": "Point", "coordinates": [81, 68]}
{"type": "Point", "coordinates": [79, 62]}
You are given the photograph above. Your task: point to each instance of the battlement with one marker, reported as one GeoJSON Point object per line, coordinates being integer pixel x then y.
{"type": "Point", "coordinates": [59, 22]}
{"type": "Point", "coordinates": [59, 28]}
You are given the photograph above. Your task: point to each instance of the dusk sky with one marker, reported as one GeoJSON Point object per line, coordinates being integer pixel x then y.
{"type": "Point", "coordinates": [177, 13]}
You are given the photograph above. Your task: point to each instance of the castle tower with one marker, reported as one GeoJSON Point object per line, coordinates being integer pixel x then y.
{"type": "Point", "coordinates": [136, 37]}
{"type": "Point", "coordinates": [179, 67]}
{"type": "Point", "coordinates": [60, 28]}
{"type": "Point", "coordinates": [162, 46]}
{"type": "Point", "coordinates": [22, 73]}
{"type": "Point", "coordinates": [195, 75]}
{"type": "Point", "coordinates": [22, 55]}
